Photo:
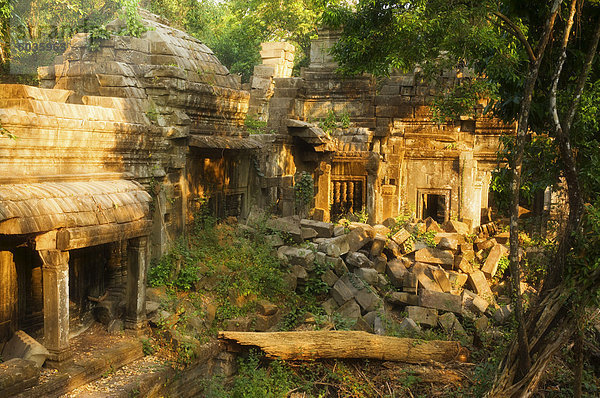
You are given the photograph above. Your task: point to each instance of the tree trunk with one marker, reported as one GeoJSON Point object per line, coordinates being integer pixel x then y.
{"type": "Point", "coordinates": [516, 164]}
{"type": "Point", "coordinates": [345, 344]}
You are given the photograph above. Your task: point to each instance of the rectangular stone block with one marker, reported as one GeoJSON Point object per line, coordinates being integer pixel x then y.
{"type": "Point", "coordinates": [395, 270]}
{"type": "Point", "coordinates": [440, 301]}
{"type": "Point", "coordinates": [324, 229]}
{"type": "Point", "coordinates": [423, 316]}
{"type": "Point", "coordinates": [480, 285]}
{"type": "Point", "coordinates": [432, 255]}
{"type": "Point", "coordinates": [490, 266]}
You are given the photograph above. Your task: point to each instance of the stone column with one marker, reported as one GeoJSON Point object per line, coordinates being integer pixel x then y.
{"type": "Point", "coordinates": [56, 303]}
{"type": "Point", "coordinates": [137, 264]}
{"type": "Point", "coordinates": [323, 197]}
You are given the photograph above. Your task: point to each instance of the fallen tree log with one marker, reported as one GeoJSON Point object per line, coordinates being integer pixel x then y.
{"type": "Point", "coordinates": [348, 345]}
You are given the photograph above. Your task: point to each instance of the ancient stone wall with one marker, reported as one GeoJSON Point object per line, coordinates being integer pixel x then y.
{"type": "Point", "coordinates": [382, 153]}
{"type": "Point", "coordinates": [178, 85]}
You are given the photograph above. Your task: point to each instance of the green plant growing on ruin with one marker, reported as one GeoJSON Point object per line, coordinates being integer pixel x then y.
{"type": "Point", "coordinates": [254, 125]}
{"type": "Point", "coordinates": [362, 215]}
{"type": "Point", "coordinates": [334, 121]}
{"type": "Point", "coordinates": [503, 264]}
{"type": "Point", "coordinates": [130, 15]}
{"type": "Point", "coordinates": [6, 133]}
{"type": "Point", "coordinates": [304, 190]}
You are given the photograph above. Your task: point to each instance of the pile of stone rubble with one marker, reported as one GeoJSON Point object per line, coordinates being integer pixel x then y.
{"type": "Point", "coordinates": [429, 274]}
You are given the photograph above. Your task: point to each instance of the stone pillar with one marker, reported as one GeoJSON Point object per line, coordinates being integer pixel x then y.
{"type": "Point", "coordinates": [470, 195]}
{"type": "Point", "coordinates": [137, 265]}
{"type": "Point", "coordinates": [323, 198]}
{"type": "Point", "coordinates": [56, 303]}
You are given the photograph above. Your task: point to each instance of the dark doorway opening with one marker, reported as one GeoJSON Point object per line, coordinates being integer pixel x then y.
{"type": "Point", "coordinates": [434, 204]}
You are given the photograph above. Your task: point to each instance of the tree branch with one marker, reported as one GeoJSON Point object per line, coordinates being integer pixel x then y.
{"type": "Point", "coordinates": [516, 31]}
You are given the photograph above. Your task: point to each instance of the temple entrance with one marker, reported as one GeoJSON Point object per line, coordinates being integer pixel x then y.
{"type": "Point", "coordinates": [434, 204]}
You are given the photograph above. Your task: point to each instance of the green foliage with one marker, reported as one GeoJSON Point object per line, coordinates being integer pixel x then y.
{"type": "Point", "coordinates": [503, 264]}
{"type": "Point", "coordinates": [234, 29]}
{"type": "Point", "coordinates": [255, 380]}
{"type": "Point", "coordinates": [334, 121]}
{"type": "Point", "coordinates": [304, 190]}
{"type": "Point", "coordinates": [148, 347]}
{"type": "Point", "coordinates": [540, 170]}
{"type": "Point", "coordinates": [462, 99]}
{"type": "Point", "coordinates": [255, 126]}
{"type": "Point", "coordinates": [583, 262]}
{"type": "Point", "coordinates": [132, 19]}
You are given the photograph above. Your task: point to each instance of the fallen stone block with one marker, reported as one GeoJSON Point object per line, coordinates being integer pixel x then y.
{"type": "Point", "coordinates": [341, 292]}
{"type": "Point", "coordinates": [380, 263]}
{"type": "Point", "coordinates": [263, 323]}
{"type": "Point", "coordinates": [287, 225]}
{"type": "Point", "coordinates": [490, 267]}
{"type": "Point", "coordinates": [425, 277]}
{"type": "Point", "coordinates": [389, 222]}
{"type": "Point", "coordinates": [450, 323]}
{"type": "Point", "coordinates": [335, 247]}
{"type": "Point", "coordinates": [393, 249]}
{"type": "Point", "coordinates": [462, 263]}
{"type": "Point", "coordinates": [358, 260]}
{"type": "Point", "coordinates": [457, 279]}
{"type": "Point", "coordinates": [368, 300]}
{"type": "Point", "coordinates": [362, 325]}
{"type": "Point", "coordinates": [274, 240]}
{"type": "Point", "coordinates": [378, 245]}
{"type": "Point", "coordinates": [432, 225]}
{"type": "Point", "coordinates": [329, 306]}
{"type": "Point", "coordinates": [299, 272]}
{"type": "Point", "coordinates": [411, 283]}
{"type": "Point", "coordinates": [23, 346]}
{"type": "Point", "coordinates": [409, 326]}
{"type": "Point", "coordinates": [369, 275]}
{"type": "Point", "coordinates": [323, 229]}
{"type": "Point", "coordinates": [480, 285]}
{"type": "Point", "coordinates": [266, 308]}
{"type": "Point", "coordinates": [349, 310]}
{"type": "Point", "coordinates": [481, 324]}
{"type": "Point", "coordinates": [338, 265]}
{"type": "Point", "coordinates": [339, 230]}
{"type": "Point", "coordinates": [358, 237]}
{"type": "Point", "coordinates": [395, 270]}
{"type": "Point", "coordinates": [503, 314]}
{"type": "Point", "coordinates": [486, 244]}
{"type": "Point", "coordinates": [440, 301]}
{"type": "Point", "coordinates": [448, 242]}
{"type": "Point", "coordinates": [381, 230]}
{"type": "Point", "coordinates": [474, 303]}
{"type": "Point", "coordinates": [308, 233]}
{"type": "Point", "coordinates": [456, 226]}
{"type": "Point", "coordinates": [297, 256]}
{"type": "Point", "coordinates": [151, 306]}
{"type": "Point", "coordinates": [402, 298]}
{"type": "Point", "coordinates": [329, 277]}
{"type": "Point", "coordinates": [423, 316]}
{"type": "Point", "coordinates": [440, 276]}
{"type": "Point", "coordinates": [401, 236]}
{"type": "Point", "coordinates": [432, 255]}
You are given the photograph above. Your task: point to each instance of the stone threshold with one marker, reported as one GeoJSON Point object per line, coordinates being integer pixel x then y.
{"type": "Point", "coordinates": [80, 371]}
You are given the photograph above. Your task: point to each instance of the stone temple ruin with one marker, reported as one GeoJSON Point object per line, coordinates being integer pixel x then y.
{"type": "Point", "coordinates": [120, 146]}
